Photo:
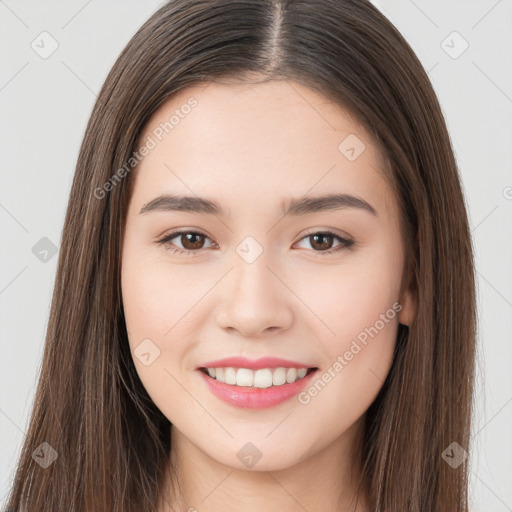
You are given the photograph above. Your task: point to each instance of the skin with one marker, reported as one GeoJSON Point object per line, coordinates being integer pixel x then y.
{"type": "Point", "coordinates": [249, 147]}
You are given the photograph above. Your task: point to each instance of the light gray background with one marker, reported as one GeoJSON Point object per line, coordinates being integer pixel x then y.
{"type": "Point", "coordinates": [44, 107]}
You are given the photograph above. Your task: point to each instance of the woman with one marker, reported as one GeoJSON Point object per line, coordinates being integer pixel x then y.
{"type": "Point", "coordinates": [265, 292]}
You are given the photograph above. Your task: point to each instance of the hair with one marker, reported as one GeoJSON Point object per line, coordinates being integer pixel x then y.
{"type": "Point", "coordinates": [113, 443]}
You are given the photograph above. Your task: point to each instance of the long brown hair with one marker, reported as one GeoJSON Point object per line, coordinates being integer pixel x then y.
{"type": "Point", "coordinates": [112, 442]}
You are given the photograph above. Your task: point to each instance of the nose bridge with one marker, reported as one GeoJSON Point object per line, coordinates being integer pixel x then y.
{"type": "Point", "coordinates": [254, 284]}
{"type": "Point", "coordinates": [256, 300]}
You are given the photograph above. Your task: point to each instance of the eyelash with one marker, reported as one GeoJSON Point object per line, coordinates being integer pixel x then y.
{"type": "Point", "coordinates": [165, 241]}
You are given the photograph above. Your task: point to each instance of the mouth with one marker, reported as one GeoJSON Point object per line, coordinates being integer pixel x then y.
{"type": "Point", "coordinates": [261, 378]}
{"type": "Point", "coordinates": [260, 388]}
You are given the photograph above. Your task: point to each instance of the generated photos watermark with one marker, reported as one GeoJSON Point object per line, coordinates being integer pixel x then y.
{"type": "Point", "coordinates": [344, 359]}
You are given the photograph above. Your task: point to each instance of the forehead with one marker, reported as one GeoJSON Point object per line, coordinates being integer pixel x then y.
{"type": "Point", "coordinates": [268, 109]}
{"type": "Point", "coordinates": [275, 138]}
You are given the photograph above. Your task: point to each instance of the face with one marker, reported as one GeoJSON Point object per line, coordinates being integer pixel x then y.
{"type": "Point", "coordinates": [258, 274]}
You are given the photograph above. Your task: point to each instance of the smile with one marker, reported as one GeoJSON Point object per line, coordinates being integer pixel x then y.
{"type": "Point", "coordinates": [262, 378]}
{"type": "Point", "coordinates": [256, 389]}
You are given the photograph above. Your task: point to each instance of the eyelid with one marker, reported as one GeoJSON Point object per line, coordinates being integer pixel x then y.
{"type": "Point", "coordinates": [331, 231]}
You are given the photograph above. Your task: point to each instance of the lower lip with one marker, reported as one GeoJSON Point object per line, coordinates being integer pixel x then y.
{"type": "Point", "coordinates": [255, 398]}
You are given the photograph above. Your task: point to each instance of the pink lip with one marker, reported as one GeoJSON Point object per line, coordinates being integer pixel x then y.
{"type": "Point", "coordinates": [243, 362]}
{"type": "Point", "coordinates": [255, 398]}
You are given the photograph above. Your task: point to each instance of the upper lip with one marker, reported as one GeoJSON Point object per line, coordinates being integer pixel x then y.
{"type": "Point", "coordinates": [253, 364]}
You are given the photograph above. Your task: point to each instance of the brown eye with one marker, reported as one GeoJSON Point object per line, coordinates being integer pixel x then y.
{"type": "Point", "coordinates": [191, 241]}
{"type": "Point", "coordinates": [323, 242]}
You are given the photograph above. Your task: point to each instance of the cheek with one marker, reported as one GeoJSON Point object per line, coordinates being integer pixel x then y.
{"type": "Point", "coordinates": [164, 303]}
{"type": "Point", "coordinates": [144, 305]}
{"type": "Point", "coordinates": [355, 295]}
{"type": "Point", "coordinates": [156, 296]}
{"type": "Point", "coordinates": [358, 310]}
{"type": "Point", "coordinates": [156, 299]}
{"type": "Point", "coordinates": [357, 359]}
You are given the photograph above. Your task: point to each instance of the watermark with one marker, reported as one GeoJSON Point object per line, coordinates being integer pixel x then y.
{"type": "Point", "coordinates": [454, 44]}
{"type": "Point", "coordinates": [45, 455]}
{"type": "Point", "coordinates": [249, 249]}
{"type": "Point", "coordinates": [44, 250]}
{"type": "Point", "coordinates": [351, 147]}
{"type": "Point", "coordinates": [249, 454]}
{"type": "Point", "coordinates": [454, 455]}
{"type": "Point", "coordinates": [344, 359]}
{"type": "Point", "coordinates": [151, 142]}
{"type": "Point", "coordinates": [146, 352]}
{"type": "Point", "coordinates": [44, 45]}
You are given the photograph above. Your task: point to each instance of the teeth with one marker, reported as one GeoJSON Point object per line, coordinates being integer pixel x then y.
{"type": "Point", "coordinates": [244, 377]}
{"type": "Point", "coordinates": [230, 375]}
{"type": "Point", "coordinates": [262, 378]}
{"type": "Point", "coordinates": [279, 376]}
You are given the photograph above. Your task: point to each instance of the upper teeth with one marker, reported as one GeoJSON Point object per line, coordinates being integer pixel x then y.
{"type": "Point", "coordinates": [263, 378]}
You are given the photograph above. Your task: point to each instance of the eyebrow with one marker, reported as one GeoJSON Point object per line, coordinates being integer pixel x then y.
{"type": "Point", "coordinates": [294, 207]}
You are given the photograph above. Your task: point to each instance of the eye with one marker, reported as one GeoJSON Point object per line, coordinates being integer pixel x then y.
{"type": "Point", "coordinates": [193, 241]}
{"type": "Point", "coordinates": [323, 241]}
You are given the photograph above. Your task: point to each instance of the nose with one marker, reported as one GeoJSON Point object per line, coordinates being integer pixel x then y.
{"type": "Point", "coordinates": [255, 299]}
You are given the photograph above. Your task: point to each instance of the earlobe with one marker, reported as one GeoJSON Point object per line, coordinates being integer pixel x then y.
{"type": "Point", "coordinates": [408, 301]}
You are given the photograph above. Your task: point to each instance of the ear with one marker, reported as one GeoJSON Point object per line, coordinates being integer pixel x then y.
{"type": "Point", "coordinates": [409, 299]}
{"type": "Point", "coordinates": [409, 303]}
